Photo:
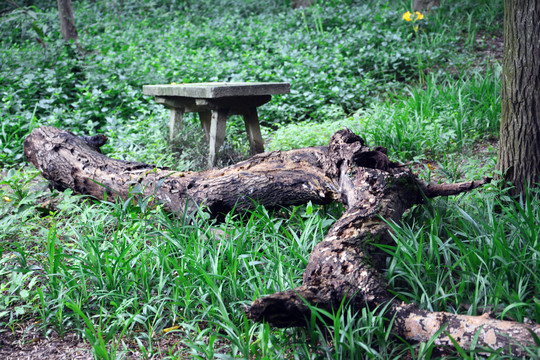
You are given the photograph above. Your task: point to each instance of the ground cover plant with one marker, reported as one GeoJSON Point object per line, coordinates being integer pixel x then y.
{"type": "Point", "coordinates": [134, 281]}
{"type": "Point", "coordinates": [337, 58]}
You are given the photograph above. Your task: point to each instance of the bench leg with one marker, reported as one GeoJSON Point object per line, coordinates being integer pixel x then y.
{"type": "Point", "coordinates": [251, 119]}
{"type": "Point", "coordinates": [175, 122]}
{"type": "Point", "coordinates": [217, 133]}
{"type": "Point", "coordinates": [206, 121]}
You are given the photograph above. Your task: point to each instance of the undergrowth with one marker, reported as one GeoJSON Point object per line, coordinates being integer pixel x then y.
{"type": "Point", "coordinates": [121, 272]}
{"type": "Point", "coordinates": [128, 277]}
{"type": "Point", "coordinates": [339, 56]}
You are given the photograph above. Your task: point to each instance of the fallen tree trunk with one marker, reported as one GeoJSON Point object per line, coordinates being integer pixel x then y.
{"type": "Point", "coordinates": [344, 266]}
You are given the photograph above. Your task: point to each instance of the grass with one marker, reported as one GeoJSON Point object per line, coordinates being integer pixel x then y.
{"type": "Point", "coordinates": [444, 115]}
{"type": "Point", "coordinates": [115, 273]}
{"type": "Point", "coordinates": [151, 271]}
{"type": "Point", "coordinates": [465, 256]}
{"type": "Point", "coordinates": [131, 278]}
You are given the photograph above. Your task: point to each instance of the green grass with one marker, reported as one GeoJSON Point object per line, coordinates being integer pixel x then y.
{"type": "Point", "coordinates": [477, 253]}
{"type": "Point", "coordinates": [126, 275]}
{"type": "Point", "coordinates": [117, 266]}
{"type": "Point", "coordinates": [447, 114]}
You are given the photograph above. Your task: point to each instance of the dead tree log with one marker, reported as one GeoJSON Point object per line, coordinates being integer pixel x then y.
{"type": "Point", "coordinates": [344, 266]}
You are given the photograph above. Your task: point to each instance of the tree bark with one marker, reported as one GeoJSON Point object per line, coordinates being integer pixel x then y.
{"type": "Point", "coordinates": [519, 149]}
{"type": "Point", "coordinates": [67, 21]}
{"type": "Point", "coordinates": [343, 267]}
{"type": "Point", "coordinates": [423, 5]}
{"type": "Point", "coordinates": [297, 4]}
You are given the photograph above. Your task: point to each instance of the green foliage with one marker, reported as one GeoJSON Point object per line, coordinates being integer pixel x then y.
{"type": "Point", "coordinates": [351, 335]}
{"type": "Point", "coordinates": [335, 54]}
{"type": "Point", "coordinates": [107, 268]}
{"type": "Point", "coordinates": [309, 133]}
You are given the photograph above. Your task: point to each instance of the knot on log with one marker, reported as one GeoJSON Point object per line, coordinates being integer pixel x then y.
{"type": "Point", "coordinates": [292, 307]}
{"type": "Point", "coordinates": [373, 159]}
{"type": "Point", "coordinates": [350, 150]}
{"type": "Point", "coordinates": [345, 136]}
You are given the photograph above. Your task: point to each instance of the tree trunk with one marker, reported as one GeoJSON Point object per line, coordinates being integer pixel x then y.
{"type": "Point", "coordinates": [423, 5]}
{"type": "Point", "coordinates": [344, 266]}
{"type": "Point", "coordinates": [519, 149]}
{"type": "Point", "coordinates": [296, 4]}
{"type": "Point", "coordinates": [67, 21]}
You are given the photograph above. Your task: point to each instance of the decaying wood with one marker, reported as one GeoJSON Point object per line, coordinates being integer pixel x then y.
{"type": "Point", "coordinates": [344, 266]}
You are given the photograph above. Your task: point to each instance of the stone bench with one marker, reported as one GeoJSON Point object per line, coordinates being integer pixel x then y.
{"type": "Point", "coordinates": [215, 102]}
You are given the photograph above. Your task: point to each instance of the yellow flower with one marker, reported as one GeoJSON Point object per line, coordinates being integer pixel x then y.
{"type": "Point", "coordinates": [430, 167]}
{"type": "Point", "coordinates": [407, 16]}
{"type": "Point", "coordinates": [171, 329]}
{"type": "Point", "coordinates": [7, 199]}
{"type": "Point", "coordinates": [173, 83]}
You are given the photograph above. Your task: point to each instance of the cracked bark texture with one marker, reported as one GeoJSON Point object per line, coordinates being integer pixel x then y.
{"type": "Point", "coordinates": [344, 266]}
{"type": "Point", "coordinates": [519, 146]}
{"type": "Point", "coordinates": [67, 20]}
{"type": "Point", "coordinates": [276, 178]}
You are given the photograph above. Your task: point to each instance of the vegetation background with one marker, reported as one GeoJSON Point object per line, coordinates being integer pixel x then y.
{"type": "Point", "coordinates": [134, 281]}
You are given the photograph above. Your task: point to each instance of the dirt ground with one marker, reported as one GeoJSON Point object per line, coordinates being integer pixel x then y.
{"type": "Point", "coordinates": [20, 346]}
{"type": "Point", "coordinates": [26, 343]}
